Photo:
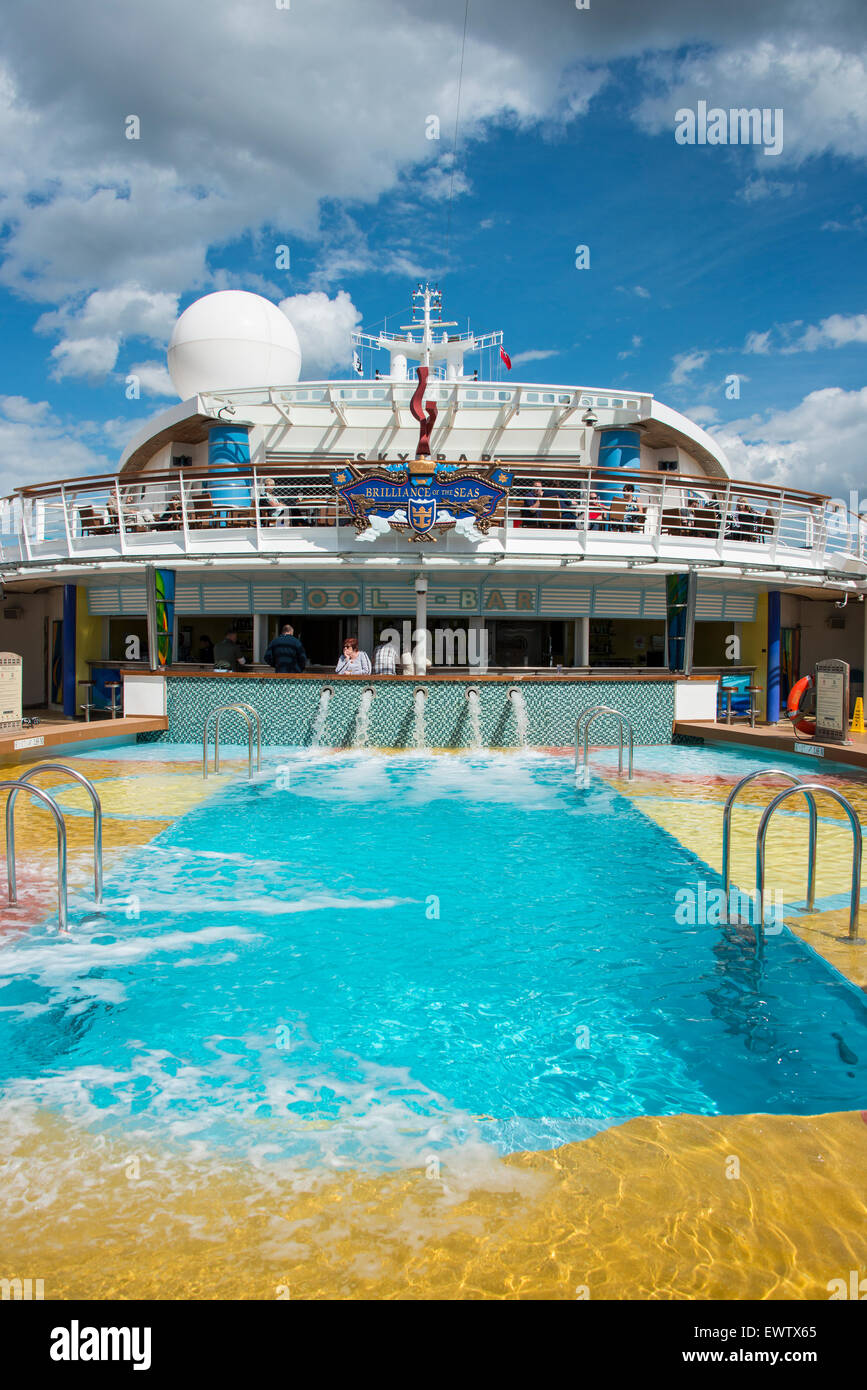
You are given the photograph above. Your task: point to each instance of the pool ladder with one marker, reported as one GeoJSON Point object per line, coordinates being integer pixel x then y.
{"type": "Point", "coordinates": [590, 716]}
{"type": "Point", "coordinates": [250, 713]}
{"type": "Point", "coordinates": [23, 784]}
{"type": "Point", "coordinates": [809, 790]}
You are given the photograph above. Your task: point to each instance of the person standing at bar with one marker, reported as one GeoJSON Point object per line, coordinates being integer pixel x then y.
{"type": "Point", "coordinates": [286, 653]}
{"type": "Point", "coordinates": [352, 662]}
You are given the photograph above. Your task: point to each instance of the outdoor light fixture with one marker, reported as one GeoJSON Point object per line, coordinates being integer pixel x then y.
{"type": "Point", "coordinates": [589, 419]}
{"type": "Point", "coordinates": [224, 411]}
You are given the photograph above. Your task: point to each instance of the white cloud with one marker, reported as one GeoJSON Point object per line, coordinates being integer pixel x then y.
{"type": "Point", "coordinates": [533, 355]}
{"type": "Point", "coordinates": [684, 364]}
{"type": "Point", "coordinates": [817, 446]}
{"type": "Point", "coordinates": [36, 445]}
{"type": "Point", "coordinates": [154, 379]}
{"type": "Point", "coordinates": [703, 414]}
{"type": "Point", "coordinates": [88, 357]}
{"type": "Point", "coordinates": [757, 188]}
{"type": "Point", "coordinates": [857, 222]}
{"type": "Point", "coordinates": [758, 343]}
{"type": "Point", "coordinates": [837, 331]}
{"type": "Point", "coordinates": [631, 351]}
{"type": "Point", "coordinates": [323, 326]}
{"type": "Point", "coordinates": [94, 331]}
{"type": "Point", "coordinates": [273, 117]}
{"type": "Point", "coordinates": [821, 88]}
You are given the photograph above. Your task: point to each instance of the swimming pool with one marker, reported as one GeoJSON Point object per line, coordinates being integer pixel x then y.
{"type": "Point", "coordinates": [356, 961]}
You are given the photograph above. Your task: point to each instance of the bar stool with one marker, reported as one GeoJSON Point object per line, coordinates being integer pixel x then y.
{"type": "Point", "coordinates": [88, 704]}
{"type": "Point", "coordinates": [114, 686]}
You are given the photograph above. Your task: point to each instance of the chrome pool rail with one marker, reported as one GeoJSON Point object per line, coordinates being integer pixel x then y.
{"type": "Point", "coordinates": [11, 789]}
{"type": "Point", "coordinates": [857, 838]}
{"type": "Point", "coordinates": [247, 711]}
{"type": "Point", "coordinates": [727, 826]}
{"type": "Point", "coordinates": [589, 717]}
{"type": "Point", "coordinates": [97, 815]}
{"type": "Point", "coordinates": [585, 714]}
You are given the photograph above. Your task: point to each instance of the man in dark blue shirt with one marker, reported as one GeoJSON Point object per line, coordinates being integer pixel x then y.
{"type": "Point", "coordinates": [285, 653]}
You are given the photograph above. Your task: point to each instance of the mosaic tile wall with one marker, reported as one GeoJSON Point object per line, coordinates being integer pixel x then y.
{"type": "Point", "coordinates": [288, 709]}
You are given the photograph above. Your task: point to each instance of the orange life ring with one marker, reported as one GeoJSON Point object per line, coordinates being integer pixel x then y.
{"type": "Point", "coordinates": [804, 723]}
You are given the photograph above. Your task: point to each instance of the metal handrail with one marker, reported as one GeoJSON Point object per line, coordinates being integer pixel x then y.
{"type": "Point", "coordinates": [623, 722]}
{"type": "Point", "coordinates": [13, 788]}
{"type": "Point", "coordinates": [855, 825]}
{"type": "Point", "coordinates": [245, 705]}
{"type": "Point", "coordinates": [585, 714]}
{"type": "Point", "coordinates": [215, 713]}
{"type": "Point", "coordinates": [97, 816]}
{"type": "Point", "coordinates": [727, 825]}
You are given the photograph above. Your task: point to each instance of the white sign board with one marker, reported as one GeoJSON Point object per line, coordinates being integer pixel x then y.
{"type": "Point", "coordinates": [832, 701]}
{"type": "Point", "coordinates": [814, 750]}
{"type": "Point", "coordinates": [10, 689]}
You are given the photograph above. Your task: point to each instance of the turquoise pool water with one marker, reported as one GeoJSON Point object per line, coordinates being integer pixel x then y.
{"type": "Point", "coordinates": [360, 958]}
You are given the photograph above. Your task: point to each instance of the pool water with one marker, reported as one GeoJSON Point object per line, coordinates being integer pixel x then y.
{"type": "Point", "coordinates": [359, 959]}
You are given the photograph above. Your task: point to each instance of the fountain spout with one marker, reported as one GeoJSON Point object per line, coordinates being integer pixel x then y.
{"type": "Point", "coordinates": [474, 710]}
{"type": "Point", "coordinates": [521, 720]}
{"type": "Point", "coordinates": [362, 722]}
{"type": "Point", "coordinates": [418, 731]}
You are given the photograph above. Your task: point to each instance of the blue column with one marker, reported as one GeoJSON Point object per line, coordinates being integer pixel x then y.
{"type": "Point", "coordinates": [70, 598]}
{"type": "Point", "coordinates": [228, 450]}
{"type": "Point", "coordinates": [773, 703]}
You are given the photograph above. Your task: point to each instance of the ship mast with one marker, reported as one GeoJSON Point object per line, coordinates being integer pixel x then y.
{"type": "Point", "coordinates": [427, 311]}
{"type": "Point", "coordinates": [426, 340]}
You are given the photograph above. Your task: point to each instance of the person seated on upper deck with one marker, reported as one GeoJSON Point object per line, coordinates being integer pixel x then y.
{"type": "Point", "coordinates": [135, 516]}
{"type": "Point", "coordinates": [534, 512]}
{"type": "Point", "coordinates": [633, 516]}
{"type": "Point", "coordinates": [229, 653]}
{"type": "Point", "coordinates": [625, 513]}
{"type": "Point", "coordinates": [353, 662]}
{"type": "Point", "coordinates": [285, 653]}
{"type": "Point", "coordinates": [271, 509]}
{"type": "Point", "coordinates": [595, 513]}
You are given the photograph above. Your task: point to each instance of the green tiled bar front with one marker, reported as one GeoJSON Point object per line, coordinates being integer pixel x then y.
{"type": "Point", "coordinates": [288, 709]}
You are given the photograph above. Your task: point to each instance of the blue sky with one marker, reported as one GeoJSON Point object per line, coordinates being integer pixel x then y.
{"type": "Point", "coordinates": [259, 129]}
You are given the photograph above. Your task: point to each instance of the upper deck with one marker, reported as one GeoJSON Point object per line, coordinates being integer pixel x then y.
{"type": "Point", "coordinates": [273, 513]}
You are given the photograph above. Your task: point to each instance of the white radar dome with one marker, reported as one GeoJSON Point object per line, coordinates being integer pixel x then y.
{"type": "Point", "coordinates": [229, 340]}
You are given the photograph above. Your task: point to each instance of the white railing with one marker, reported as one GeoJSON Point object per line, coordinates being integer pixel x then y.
{"type": "Point", "coordinates": [467, 393]}
{"type": "Point", "coordinates": [269, 507]}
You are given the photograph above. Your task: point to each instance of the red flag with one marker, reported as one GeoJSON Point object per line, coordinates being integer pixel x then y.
{"type": "Point", "coordinates": [506, 358]}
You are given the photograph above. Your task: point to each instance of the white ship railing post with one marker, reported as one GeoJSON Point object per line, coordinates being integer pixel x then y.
{"type": "Point", "coordinates": [185, 520]}
{"type": "Point", "coordinates": [25, 529]}
{"type": "Point", "coordinates": [724, 519]}
{"type": "Point", "coordinates": [66, 521]}
{"type": "Point", "coordinates": [121, 529]}
{"type": "Point", "coordinates": [778, 525]}
{"type": "Point", "coordinates": [255, 476]}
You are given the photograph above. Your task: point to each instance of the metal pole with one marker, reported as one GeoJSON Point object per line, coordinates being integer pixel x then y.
{"type": "Point", "coordinates": [97, 816]}
{"type": "Point", "coordinates": [809, 789]}
{"type": "Point", "coordinates": [13, 788]}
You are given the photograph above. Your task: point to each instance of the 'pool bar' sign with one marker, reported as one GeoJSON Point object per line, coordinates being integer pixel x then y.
{"type": "Point", "coordinates": [425, 501]}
